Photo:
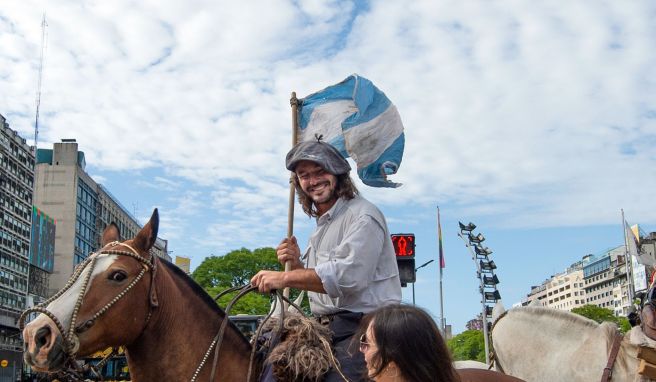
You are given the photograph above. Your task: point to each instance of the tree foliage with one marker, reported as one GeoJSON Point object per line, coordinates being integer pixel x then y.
{"type": "Point", "coordinates": [236, 268]}
{"type": "Point", "coordinates": [468, 345]}
{"type": "Point", "coordinates": [600, 315]}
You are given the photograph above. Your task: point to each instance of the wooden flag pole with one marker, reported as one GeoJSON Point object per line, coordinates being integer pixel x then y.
{"type": "Point", "coordinates": [293, 101]}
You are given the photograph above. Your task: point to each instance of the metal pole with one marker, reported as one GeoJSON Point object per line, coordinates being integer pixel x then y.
{"type": "Point", "coordinates": [482, 289]}
{"type": "Point", "coordinates": [413, 294]}
{"type": "Point", "coordinates": [413, 284]}
{"type": "Point", "coordinates": [441, 254]}
{"type": "Point", "coordinates": [293, 101]}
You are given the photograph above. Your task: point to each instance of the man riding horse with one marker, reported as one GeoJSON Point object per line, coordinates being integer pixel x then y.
{"type": "Point", "coordinates": [349, 267]}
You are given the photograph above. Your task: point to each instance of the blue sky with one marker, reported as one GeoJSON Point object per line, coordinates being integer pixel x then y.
{"type": "Point", "coordinates": [534, 120]}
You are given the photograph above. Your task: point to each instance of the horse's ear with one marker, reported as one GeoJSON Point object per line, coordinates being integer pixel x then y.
{"type": "Point", "coordinates": [497, 311]}
{"type": "Point", "coordinates": [111, 233]}
{"type": "Point", "coordinates": [145, 239]}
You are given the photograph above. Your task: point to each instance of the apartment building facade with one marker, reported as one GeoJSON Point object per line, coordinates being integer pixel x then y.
{"type": "Point", "coordinates": [16, 182]}
{"type": "Point", "coordinates": [563, 291]}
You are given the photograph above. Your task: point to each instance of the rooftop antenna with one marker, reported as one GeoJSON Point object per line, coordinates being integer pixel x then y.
{"type": "Point", "coordinates": [44, 24]}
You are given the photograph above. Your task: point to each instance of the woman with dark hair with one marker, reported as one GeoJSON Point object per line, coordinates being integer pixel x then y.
{"type": "Point", "coordinates": [402, 343]}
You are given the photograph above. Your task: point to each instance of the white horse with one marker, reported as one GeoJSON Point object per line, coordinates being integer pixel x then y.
{"type": "Point", "coordinates": [470, 364]}
{"type": "Point", "coordinates": [546, 345]}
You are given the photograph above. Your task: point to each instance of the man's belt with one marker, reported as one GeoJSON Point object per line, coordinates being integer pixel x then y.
{"type": "Point", "coordinates": [326, 319]}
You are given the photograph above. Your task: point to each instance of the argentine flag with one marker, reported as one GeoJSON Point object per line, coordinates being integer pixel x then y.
{"type": "Point", "coordinates": [361, 122]}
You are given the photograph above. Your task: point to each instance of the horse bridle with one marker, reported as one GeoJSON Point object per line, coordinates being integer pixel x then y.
{"type": "Point", "coordinates": [70, 335]}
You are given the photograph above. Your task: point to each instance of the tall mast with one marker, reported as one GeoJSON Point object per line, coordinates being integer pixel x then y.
{"type": "Point", "coordinates": [44, 24]}
{"type": "Point", "coordinates": [36, 135]}
{"type": "Point", "coordinates": [441, 256]}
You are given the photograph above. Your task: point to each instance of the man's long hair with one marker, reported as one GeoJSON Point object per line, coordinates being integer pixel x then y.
{"type": "Point", "coordinates": [343, 189]}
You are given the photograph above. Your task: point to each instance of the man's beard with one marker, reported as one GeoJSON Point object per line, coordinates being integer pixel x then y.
{"type": "Point", "coordinates": [321, 197]}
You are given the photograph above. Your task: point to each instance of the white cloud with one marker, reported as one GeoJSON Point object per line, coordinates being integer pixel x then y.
{"type": "Point", "coordinates": [536, 113]}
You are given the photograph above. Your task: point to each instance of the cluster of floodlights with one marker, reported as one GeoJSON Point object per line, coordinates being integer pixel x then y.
{"type": "Point", "coordinates": [485, 273]}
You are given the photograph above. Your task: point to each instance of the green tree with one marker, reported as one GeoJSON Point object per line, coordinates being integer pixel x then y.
{"type": "Point", "coordinates": [600, 315]}
{"type": "Point", "coordinates": [468, 345]}
{"type": "Point", "coordinates": [236, 268]}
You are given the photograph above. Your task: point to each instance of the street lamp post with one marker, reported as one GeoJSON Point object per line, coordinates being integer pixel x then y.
{"type": "Point", "coordinates": [413, 284]}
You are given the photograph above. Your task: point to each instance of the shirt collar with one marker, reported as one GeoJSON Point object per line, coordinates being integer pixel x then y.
{"type": "Point", "coordinates": [332, 212]}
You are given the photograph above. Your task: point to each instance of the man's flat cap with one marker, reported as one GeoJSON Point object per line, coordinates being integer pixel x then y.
{"type": "Point", "coordinates": [323, 154]}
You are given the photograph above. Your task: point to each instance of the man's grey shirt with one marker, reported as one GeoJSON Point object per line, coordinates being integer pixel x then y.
{"type": "Point", "coordinates": [352, 253]}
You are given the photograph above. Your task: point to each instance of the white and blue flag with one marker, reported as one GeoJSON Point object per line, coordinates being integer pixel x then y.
{"type": "Point", "coordinates": [361, 122]}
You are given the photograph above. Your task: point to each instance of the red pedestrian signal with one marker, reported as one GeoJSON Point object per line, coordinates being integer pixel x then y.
{"type": "Point", "coordinates": [404, 245]}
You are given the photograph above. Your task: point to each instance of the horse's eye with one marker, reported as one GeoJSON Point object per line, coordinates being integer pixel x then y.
{"type": "Point", "coordinates": [117, 276]}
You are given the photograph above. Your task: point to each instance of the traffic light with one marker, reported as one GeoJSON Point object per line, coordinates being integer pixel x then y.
{"type": "Point", "coordinates": [404, 247]}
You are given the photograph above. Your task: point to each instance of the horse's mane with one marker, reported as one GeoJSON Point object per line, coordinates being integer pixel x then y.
{"type": "Point", "coordinates": [607, 328]}
{"type": "Point", "coordinates": [549, 313]}
{"type": "Point", "coordinates": [200, 292]}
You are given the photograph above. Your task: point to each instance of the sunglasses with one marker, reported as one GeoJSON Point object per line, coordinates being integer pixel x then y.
{"type": "Point", "coordinates": [364, 345]}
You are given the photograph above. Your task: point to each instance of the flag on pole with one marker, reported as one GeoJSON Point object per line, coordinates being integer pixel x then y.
{"type": "Point", "coordinates": [633, 249]}
{"type": "Point", "coordinates": [361, 122]}
{"type": "Point", "coordinates": [439, 240]}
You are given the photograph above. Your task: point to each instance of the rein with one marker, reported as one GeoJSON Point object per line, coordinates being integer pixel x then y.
{"type": "Point", "coordinates": [494, 360]}
{"type": "Point", "coordinates": [70, 336]}
{"type": "Point", "coordinates": [218, 339]}
{"type": "Point", "coordinates": [279, 298]}
{"type": "Point", "coordinates": [615, 348]}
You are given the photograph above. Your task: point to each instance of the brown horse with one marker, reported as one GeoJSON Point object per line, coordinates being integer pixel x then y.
{"type": "Point", "coordinates": [124, 296]}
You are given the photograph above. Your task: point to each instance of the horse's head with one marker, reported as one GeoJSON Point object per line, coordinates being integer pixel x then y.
{"type": "Point", "coordinates": [106, 303]}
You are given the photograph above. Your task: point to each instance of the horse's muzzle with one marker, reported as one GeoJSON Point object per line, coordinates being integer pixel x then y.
{"type": "Point", "coordinates": [43, 345]}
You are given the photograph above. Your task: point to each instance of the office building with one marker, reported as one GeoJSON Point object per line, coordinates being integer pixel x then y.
{"type": "Point", "coordinates": [81, 207]}
{"type": "Point", "coordinates": [606, 282]}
